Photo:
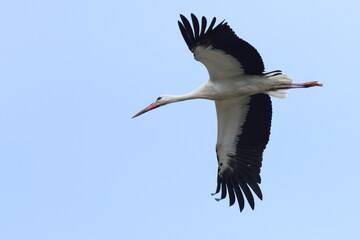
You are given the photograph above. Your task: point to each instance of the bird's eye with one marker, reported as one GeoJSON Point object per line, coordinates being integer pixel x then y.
{"type": "Point", "coordinates": [158, 98]}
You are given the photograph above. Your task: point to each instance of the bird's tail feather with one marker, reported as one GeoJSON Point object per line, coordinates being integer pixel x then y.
{"type": "Point", "coordinates": [278, 77]}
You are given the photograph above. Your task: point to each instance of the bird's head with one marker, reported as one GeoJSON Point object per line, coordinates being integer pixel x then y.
{"type": "Point", "coordinates": [160, 101]}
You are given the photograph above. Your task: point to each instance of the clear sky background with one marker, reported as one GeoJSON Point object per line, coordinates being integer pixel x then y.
{"type": "Point", "coordinates": [74, 165]}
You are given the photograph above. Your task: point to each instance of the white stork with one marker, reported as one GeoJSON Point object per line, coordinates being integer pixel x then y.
{"type": "Point", "coordinates": [241, 90]}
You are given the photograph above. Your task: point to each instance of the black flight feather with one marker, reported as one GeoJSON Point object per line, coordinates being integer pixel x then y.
{"type": "Point", "coordinates": [221, 37]}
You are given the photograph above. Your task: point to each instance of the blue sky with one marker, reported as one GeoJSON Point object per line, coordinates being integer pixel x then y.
{"type": "Point", "coordinates": [74, 165]}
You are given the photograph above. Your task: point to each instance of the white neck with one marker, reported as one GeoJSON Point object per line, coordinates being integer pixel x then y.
{"type": "Point", "coordinates": [202, 92]}
{"type": "Point", "coordinates": [179, 98]}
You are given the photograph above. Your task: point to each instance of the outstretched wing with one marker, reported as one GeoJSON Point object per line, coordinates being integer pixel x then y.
{"type": "Point", "coordinates": [222, 52]}
{"type": "Point", "coordinates": [243, 132]}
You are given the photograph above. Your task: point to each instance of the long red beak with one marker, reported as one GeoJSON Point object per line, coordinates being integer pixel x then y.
{"type": "Point", "coordinates": [148, 108]}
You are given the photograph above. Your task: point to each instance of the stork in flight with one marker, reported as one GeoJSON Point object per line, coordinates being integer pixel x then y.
{"type": "Point", "coordinates": [241, 90]}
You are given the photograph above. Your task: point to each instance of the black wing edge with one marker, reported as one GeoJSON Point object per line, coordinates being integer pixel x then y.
{"type": "Point", "coordinates": [221, 37]}
{"type": "Point", "coordinates": [244, 174]}
{"type": "Point", "coordinates": [194, 36]}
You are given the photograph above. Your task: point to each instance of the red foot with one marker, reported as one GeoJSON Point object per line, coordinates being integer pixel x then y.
{"type": "Point", "coordinates": [312, 84]}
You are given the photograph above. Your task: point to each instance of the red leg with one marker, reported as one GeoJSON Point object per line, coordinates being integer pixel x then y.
{"type": "Point", "coordinates": [312, 84]}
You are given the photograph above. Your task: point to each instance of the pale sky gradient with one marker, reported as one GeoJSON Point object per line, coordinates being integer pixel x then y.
{"type": "Point", "coordinates": [74, 165]}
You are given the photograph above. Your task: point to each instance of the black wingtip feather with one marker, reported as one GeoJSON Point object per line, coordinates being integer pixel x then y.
{"type": "Point", "coordinates": [203, 26]}
{"type": "Point", "coordinates": [231, 194]}
{"type": "Point", "coordinates": [239, 197]}
{"type": "Point", "coordinates": [188, 29]}
{"type": "Point", "coordinates": [217, 189]}
{"type": "Point", "coordinates": [184, 34]}
{"type": "Point", "coordinates": [211, 25]}
{"type": "Point", "coordinates": [196, 26]}
{"type": "Point", "coordinates": [236, 187]}
{"type": "Point", "coordinates": [256, 189]}
{"type": "Point", "coordinates": [223, 190]}
{"type": "Point", "coordinates": [253, 185]}
{"type": "Point", "coordinates": [248, 194]}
